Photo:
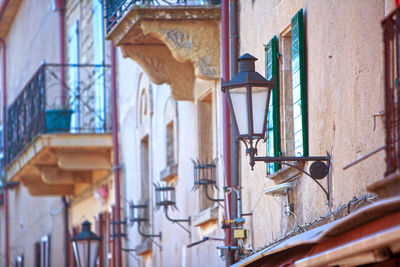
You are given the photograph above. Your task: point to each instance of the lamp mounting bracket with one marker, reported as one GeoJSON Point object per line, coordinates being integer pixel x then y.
{"type": "Point", "coordinates": [319, 169]}
{"type": "Point", "coordinates": [188, 220]}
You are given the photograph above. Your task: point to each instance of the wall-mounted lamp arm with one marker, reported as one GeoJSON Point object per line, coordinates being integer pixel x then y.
{"type": "Point", "coordinates": [178, 221]}
{"type": "Point", "coordinates": [318, 169]}
{"type": "Point", "coordinates": [212, 199]}
{"type": "Point", "coordinates": [206, 238]}
{"type": "Point", "coordinates": [147, 235]}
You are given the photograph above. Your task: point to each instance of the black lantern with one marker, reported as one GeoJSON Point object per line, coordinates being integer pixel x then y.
{"type": "Point", "coordinates": [248, 94]}
{"type": "Point", "coordinates": [86, 246]}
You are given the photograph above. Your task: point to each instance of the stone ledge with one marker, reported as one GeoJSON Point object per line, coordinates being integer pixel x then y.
{"type": "Point", "coordinates": [205, 216]}
{"type": "Point", "coordinates": [169, 172]}
{"type": "Point", "coordinates": [287, 173]}
{"type": "Point", "coordinates": [144, 247]}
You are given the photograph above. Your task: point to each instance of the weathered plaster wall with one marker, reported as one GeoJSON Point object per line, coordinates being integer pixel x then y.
{"type": "Point", "coordinates": [131, 80]}
{"type": "Point", "coordinates": [31, 218]}
{"type": "Point", "coordinates": [32, 39]}
{"type": "Point", "coordinates": [345, 89]}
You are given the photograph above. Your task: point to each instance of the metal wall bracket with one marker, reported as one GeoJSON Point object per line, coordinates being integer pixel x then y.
{"type": "Point", "coordinates": [188, 220]}
{"type": "Point", "coordinates": [148, 235]}
{"type": "Point", "coordinates": [319, 169]}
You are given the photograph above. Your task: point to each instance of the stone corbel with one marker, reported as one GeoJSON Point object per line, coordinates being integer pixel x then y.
{"type": "Point", "coordinates": [36, 187]}
{"type": "Point", "coordinates": [162, 67]}
{"type": "Point", "coordinates": [197, 41]}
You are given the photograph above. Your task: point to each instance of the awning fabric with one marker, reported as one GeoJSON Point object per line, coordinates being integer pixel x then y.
{"type": "Point", "coordinates": [371, 219]}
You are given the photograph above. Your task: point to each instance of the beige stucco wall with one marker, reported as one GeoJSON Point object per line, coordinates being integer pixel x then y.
{"type": "Point", "coordinates": [131, 80]}
{"type": "Point", "coordinates": [32, 39]}
{"type": "Point", "coordinates": [31, 218]}
{"type": "Point", "coordinates": [345, 89]}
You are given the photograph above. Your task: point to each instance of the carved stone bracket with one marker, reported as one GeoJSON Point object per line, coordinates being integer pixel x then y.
{"type": "Point", "coordinates": [197, 41]}
{"type": "Point", "coordinates": [173, 45]}
{"type": "Point", "coordinates": [162, 67]}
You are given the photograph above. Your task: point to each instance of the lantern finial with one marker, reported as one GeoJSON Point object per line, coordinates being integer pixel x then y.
{"type": "Point", "coordinates": [246, 62]}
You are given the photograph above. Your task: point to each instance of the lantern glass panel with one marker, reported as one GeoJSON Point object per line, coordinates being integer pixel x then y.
{"type": "Point", "coordinates": [81, 252]}
{"type": "Point", "coordinates": [239, 102]}
{"type": "Point", "coordinates": [260, 98]}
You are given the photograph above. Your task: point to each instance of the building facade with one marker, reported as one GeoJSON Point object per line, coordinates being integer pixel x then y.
{"type": "Point", "coordinates": [58, 155]}
{"type": "Point", "coordinates": [150, 155]}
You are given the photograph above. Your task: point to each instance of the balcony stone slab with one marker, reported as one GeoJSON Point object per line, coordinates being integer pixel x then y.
{"type": "Point", "coordinates": [62, 164]}
{"type": "Point", "coordinates": [174, 45]}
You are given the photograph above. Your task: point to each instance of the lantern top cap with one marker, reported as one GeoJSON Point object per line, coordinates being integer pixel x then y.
{"type": "Point", "coordinates": [247, 56]}
{"type": "Point", "coordinates": [247, 63]}
{"type": "Point", "coordinates": [85, 234]}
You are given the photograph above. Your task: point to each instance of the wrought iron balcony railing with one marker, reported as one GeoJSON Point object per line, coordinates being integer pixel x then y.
{"type": "Point", "coordinates": [80, 91]}
{"type": "Point", "coordinates": [391, 37]}
{"type": "Point", "coordinates": [116, 9]}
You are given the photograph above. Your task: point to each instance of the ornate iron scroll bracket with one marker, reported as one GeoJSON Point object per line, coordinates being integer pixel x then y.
{"type": "Point", "coordinates": [319, 169]}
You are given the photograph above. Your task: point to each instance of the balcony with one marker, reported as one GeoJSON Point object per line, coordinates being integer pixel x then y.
{"type": "Point", "coordinates": [174, 42]}
{"type": "Point", "coordinates": [390, 186]}
{"type": "Point", "coordinates": [53, 154]}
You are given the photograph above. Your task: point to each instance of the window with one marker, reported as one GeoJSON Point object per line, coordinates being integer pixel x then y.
{"type": "Point", "coordinates": [98, 59]}
{"type": "Point", "coordinates": [287, 118]}
{"type": "Point", "coordinates": [145, 176]}
{"type": "Point", "coordinates": [170, 143]}
{"type": "Point", "coordinates": [170, 172]}
{"type": "Point", "coordinates": [73, 83]}
{"type": "Point", "coordinates": [42, 252]}
{"type": "Point", "coordinates": [205, 144]}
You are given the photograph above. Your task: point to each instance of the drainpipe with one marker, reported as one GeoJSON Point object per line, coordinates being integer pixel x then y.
{"type": "Point", "coordinates": [4, 86]}
{"type": "Point", "coordinates": [118, 254]}
{"type": "Point", "coordinates": [226, 124]}
{"type": "Point", "coordinates": [60, 7]}
{"type": "Point", "coordinates": [66, 231]}
{"type": "Point", "coordinates": [233, 55]}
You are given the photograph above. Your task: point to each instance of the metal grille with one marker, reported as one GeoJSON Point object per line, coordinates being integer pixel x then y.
{"type": "Point", "coordinates": [391, 35]}
{"type": "Point", "coordinates": [83, 89]}
{"type": "Point", "coordinates": [116, 9]}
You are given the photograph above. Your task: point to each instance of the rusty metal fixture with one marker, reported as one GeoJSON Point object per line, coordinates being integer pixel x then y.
{"type": "Point", "coordinates": [391, 34]}
{"type": "Point", "coordinates": [140, 214]}
{"type": "Point", "coordinates": [204, 173]}
{"type": "Point", "coordinates": [165, 196]}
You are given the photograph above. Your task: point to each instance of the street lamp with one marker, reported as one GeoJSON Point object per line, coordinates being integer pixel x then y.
{"type": "Point", "coordinates": [86, 246]}
{"type": "Point", "coordinates": [248, 94]}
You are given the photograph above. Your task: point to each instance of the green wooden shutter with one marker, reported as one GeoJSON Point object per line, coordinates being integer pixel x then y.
{"type": "Point", "coordinates": [299, 87]}
{"type": "Point", "coordinates": [271, 72]}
